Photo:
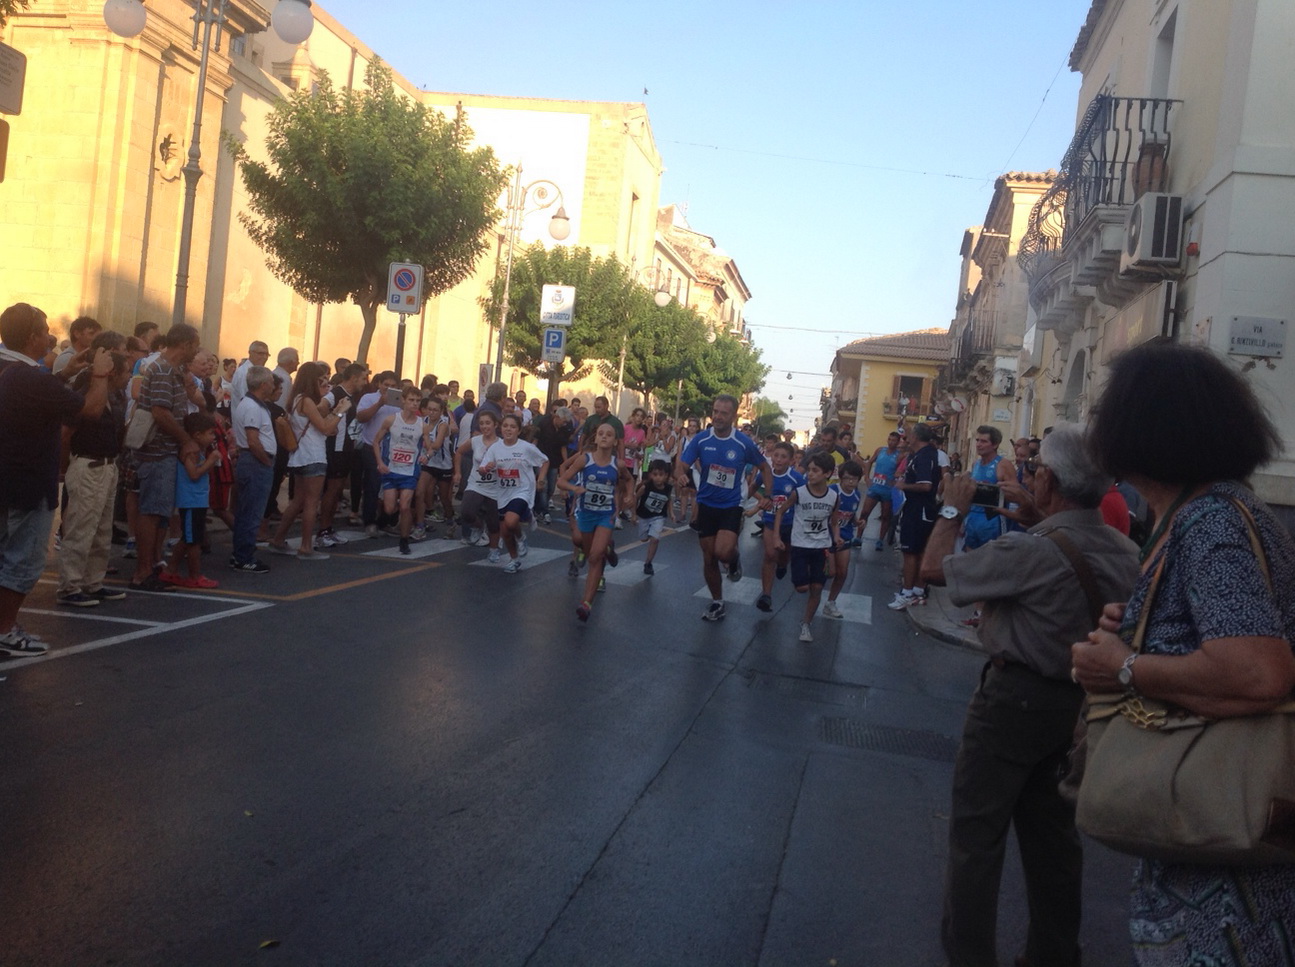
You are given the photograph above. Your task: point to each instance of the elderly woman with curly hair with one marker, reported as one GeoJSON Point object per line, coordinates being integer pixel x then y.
{"type": "Point", "coordinates": [1185, 429]}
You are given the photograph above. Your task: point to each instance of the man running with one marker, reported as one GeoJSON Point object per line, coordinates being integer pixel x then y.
{"type": "Point", "coordinates": [881, 483]}
{"type": "Point", "coordinates": [720, 453]}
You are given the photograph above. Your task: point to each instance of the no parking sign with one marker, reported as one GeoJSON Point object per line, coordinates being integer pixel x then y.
{"type": "Point", "coordinates": [404, 287]}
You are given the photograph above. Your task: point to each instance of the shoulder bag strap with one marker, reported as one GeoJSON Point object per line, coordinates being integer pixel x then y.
{"type": "Point", "coordinates": [1083, 570]}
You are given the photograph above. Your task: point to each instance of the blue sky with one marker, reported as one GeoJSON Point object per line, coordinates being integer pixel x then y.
{"type": "Point", "coordinates": [837, 150]}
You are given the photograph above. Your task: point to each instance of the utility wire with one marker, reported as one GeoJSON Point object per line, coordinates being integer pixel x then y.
{"type": "Point", "coordinates": [1029, 127]}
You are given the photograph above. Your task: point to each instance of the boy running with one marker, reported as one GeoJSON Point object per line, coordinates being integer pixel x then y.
{"type": "Point", "coordinates": [785, 482]}
{"type": "Point", "coordinates": [397, 447]}
{"type": "Point", "coordinates": [515, 464]}
{"type": "Point", "coordinates": [653, 500]}
{"type": "Point", "coordinates": [813, 532]}
{"type": "Point", "coordinates": [847, 509]}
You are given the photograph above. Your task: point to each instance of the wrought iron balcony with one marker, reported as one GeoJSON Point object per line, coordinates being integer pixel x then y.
{"type": "Point", "coordinates": [1120, 150]}
{"type": "Point", "coordinates": [976, 339]}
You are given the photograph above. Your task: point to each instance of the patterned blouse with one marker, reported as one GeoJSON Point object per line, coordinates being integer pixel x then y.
{"type": "Point", "coordinates": [1213, 588]}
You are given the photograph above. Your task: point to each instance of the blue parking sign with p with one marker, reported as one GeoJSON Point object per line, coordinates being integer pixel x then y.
{"type": "Point", "coordinates": [555, 345]}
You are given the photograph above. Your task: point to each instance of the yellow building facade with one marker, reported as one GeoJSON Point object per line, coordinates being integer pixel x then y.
{"type": "Point", "coordinates": [91, 207]}
{"type": "Point", "coordinates": [884, 382]}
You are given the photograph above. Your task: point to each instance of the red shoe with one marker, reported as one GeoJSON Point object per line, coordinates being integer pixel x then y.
{"type": "Point", "coordinates": [202, 582]}
{"type": "Point", "coordinates": [166, 577]}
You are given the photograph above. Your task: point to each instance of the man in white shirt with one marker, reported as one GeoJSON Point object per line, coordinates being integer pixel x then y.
{"type": "Point", "coordinates": [257, 353]}
{"type": "Point", "coordinates": [254, 470]}
{"type": "Point", "coordinates": [288, 363]}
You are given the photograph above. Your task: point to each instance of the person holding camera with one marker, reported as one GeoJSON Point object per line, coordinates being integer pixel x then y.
{"type": "Point", "coordinates": [1042, 590]}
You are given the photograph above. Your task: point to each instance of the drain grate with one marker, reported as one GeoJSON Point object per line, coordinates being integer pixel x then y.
{"type": "Point", "coordinates": [879, 738]}
{"type": "Point", "coordinates": [808, 689]}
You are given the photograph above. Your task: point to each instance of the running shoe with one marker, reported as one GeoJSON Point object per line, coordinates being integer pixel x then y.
{"type": "Point", "coordinates": [513, 566]}
{"type": "Point", "coordinates": [573, 570]}
{"type": "Point", "coordinates": [483, 539]}
{"type": "Point", "coordinates": [108, 594]}
{"type": "Point", "coordinates": [152, 585]}
{"type": "Point", "coordinates": [715, 612]}
{"type": "Point", "coordinates": [602, 584]}
{"type": "Point", "coordinates": [904, 599]}
{"type": "Point", "coordinates": [323, 541]}
{"type": "Point", "coordinates": [337, 539]}
{"type": "Point", "coordinates": [78, 599]}
{"type": "Point", "coordinates": [581, 559]}
{"type": "Point", "coordinates": [735, 570]}
{"type": "Point", "coordinates": [404, 545]}
{"type": "Point", "coordinates": [764, 602]}
{"type": "Point", "coordinates": [251, 567]}
{"type": "Point", "coordinates": [618, 524]}
{"type": "Point", "coordinates": [548, 518]}
{"type": "Point", "coordinates": [419, 533]}
{"type": "Point", "coordinates": [648, 569]}
{"type": "Point", "coordinates": [805, 634]}
{"type": "Point", "coordinates": [830, 610]}
{"type": "Point", "coordinates": [201, 581]}
{"type": "Point", "coordinates": [582, 612]}
{"type": "Point", "coordinates": [493, 556]}
{"type": "Point", "coordinates": [129, 552]}
{"type": "Point", "coordinates": [435, 516]}
{"type": "Point", "coordinates": [523, 548]}
{"type": "Point", "coordinates": [21, 645]}
{"type": "Point", "coordinates": [612, 557]}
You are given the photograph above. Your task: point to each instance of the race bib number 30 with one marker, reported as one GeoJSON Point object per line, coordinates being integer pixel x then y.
{"type": "Point", "coordinates": [722, 477]}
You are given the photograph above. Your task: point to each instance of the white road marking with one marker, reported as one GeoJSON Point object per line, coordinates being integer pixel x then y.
{"type": "Point", "coordinates": [537, 556]}
{"type": "Point", "coordinates": [630, 573]}
{"type": "Point", "coordinates": [141, 633]}
{"type": "Point", "coordinates": [419, 549]}
{"type": "Point", "coordinates": [68, 613]}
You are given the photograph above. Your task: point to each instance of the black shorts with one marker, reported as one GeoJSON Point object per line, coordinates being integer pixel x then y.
{"type": "Point", "coordinates": [193, 524]}
{"type": "Point", "coordinates": [808, 566]}
{"type": "Point", "coordinates": [915, 526]}
{"type": "Point", "coordinates": [339, 465]}
{"type": "Point", "coordinates": [712, 520]}
{"type": "Point", "coordinates": [438, 473]}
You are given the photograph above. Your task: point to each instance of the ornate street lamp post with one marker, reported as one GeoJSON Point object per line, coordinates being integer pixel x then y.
{"type": "Point", "coordinates": [292, 21]}
{"type": "Point", "coordinates": [544, 194]}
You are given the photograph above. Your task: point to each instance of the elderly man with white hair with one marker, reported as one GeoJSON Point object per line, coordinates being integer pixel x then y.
{"type": "Point", "coordinates": [1042, 589]}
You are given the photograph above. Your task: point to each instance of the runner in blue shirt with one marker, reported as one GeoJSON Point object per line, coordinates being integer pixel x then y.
{"type": "Point", "coordinates": [720, 453]}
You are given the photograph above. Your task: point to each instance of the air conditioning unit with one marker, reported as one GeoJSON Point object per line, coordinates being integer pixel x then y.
{"type": "Point", "coordinates": [1153, 235]}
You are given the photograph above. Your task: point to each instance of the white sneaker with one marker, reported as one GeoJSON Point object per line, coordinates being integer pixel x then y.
{"type": "Point", "coordinates": [512, 567]}
{"type": "Point", "coordinates": [902, 600]}
{"type": "Point", "coordinates": [805, 634]}
{"type": "Point", "coordinates": [419, 533]}
{"type": "Point", "coordinates": [830, 610]}
{"type": "Point", "coordinates": [522, 547]}
{"type": "Point", "coordinates": [493, 557]}
{"type": "Point", "coordinates": [482, 539]}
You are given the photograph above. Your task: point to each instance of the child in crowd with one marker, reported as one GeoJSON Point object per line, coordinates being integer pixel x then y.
{"type": "Point", "coordinates": [785, 482]}
{"type": "Point", "coordinates": [516, 464]}
{"type": "Point", "coordinates": [593, 479]}
{"type": "Point", "coordinates": [192, 497]}
{"type": "Point", "coordinates": [849, 498]}
{"type": "Point", "coordinates": [653, 500]}
{"type": "Point", "coordinates": [813, 532]}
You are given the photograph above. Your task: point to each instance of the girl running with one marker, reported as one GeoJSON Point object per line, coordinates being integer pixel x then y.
{"type": "Point", "coordinates": [593, 480]}
{"type": "Point", "coordinates": [438, 467]}
{"type": "Point", "coordinates": [479, 511]}
{"type": "Point", "coordinates": [515, 464]}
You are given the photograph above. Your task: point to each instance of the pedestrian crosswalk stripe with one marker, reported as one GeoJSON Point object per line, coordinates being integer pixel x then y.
{"type": "Point", "coordinates": [419, 549]}
{"type": "Point", "coordinates": [856, 608]}
{"type": "Point", "coordinates": [537, 556]}
{"type": "Point", "coordinates": [630, 573]}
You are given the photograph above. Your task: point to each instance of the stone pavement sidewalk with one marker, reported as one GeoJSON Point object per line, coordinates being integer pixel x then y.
{"type": "Point", "coordinates": [941, 618]}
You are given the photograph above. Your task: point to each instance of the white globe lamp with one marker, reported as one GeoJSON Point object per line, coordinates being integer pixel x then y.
{"type": "Point", "coordinates": [292, 20]}
{"type": "Point", "coordinates": [125, 18]}
{"type": "Point", "coordinates": [560, 225]}
{"type": "Point", "coordinates": [662, 298]}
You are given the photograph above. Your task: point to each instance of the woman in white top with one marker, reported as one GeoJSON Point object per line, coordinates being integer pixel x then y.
{"type": "Point", "coordinates": [479, 508]}
{"type": "Point", "coordinates": [434, 482]}
{"type": "Point", "coordinates": [311, 421]}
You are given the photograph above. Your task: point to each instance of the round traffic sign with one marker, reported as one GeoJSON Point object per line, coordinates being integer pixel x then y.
{"type": "Point", "coordinates": [405, 280]}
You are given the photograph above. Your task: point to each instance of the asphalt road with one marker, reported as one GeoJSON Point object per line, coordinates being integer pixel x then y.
{"type": "Point", "coordinates": [388, 760]}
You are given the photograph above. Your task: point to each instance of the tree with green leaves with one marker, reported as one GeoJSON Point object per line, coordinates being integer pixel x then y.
{"type": "Point", "coordinates": [358, 179]}
{"type": "Point", "coordinates": [10, 7]}
{"type": "Point", "coordinates": [723, 366]}
{"type": "Point", "coordinates": [769, 416]}
{"type": "Point", "coordinates": [660, 346]}
{"type": "Point", "coordinates": [605, 297]}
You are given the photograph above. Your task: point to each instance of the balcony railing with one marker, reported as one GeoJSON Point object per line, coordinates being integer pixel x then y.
{"type": "Point", "coordinates": [976, 339]}
{"type": "Point", "coordinates": [1120, 150]}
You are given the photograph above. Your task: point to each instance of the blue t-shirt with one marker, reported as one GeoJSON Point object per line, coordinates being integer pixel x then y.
{"type": "Point", "coordinates": [722, 460]}
{"type": "Point", "coordinates": [847, 505]}
{"type": "Point", "coordinates": [189, 493]}
{"type": "Point", "coordinates": [783, 486]}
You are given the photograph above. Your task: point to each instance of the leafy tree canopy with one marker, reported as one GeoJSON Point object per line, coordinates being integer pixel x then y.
{"type": "Point", "coordinates": [723, 366]}
{"type": "Point", "coordinates": [604, 302]}
{"type": "Point", "coordinates": [769, 416]}
{"type": "Point", "coordinates": [661, 347]}
{"type": "Point", "coordinates": [10, 7]}
{"type": "Point", "coordinates": [362, 178]}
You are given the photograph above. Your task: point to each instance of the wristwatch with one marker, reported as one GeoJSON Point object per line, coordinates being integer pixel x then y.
{"type": "Point", "coordinates": [949, 512]}
{"type": "Point", "coordinates": [1125, 675]}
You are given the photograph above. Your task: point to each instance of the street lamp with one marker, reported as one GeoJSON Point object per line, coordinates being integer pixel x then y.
{"type": "Point", "coordinates": [545, 194]}
{"type": "Point", "coordinates": [292, 21]}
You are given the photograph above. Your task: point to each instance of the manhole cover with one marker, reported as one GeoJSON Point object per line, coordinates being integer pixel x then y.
{"type": "Point", "coordinates": [879, 738]}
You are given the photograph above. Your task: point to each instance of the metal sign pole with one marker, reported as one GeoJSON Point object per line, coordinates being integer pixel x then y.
{"type": "Point", "coordinates": [400, 347]}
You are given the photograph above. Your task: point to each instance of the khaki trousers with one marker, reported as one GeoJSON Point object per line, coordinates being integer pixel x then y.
{"type": "Point", "coordinates": [87, 526]}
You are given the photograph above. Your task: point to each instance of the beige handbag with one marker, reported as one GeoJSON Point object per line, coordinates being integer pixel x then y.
{"type": "Point", "coordinates": [1165, 784]}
